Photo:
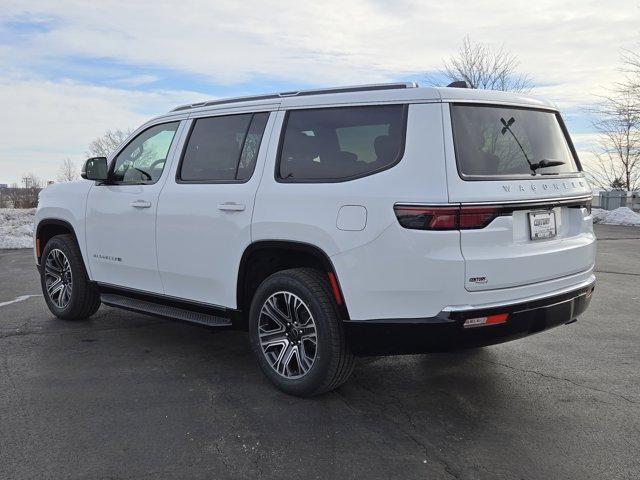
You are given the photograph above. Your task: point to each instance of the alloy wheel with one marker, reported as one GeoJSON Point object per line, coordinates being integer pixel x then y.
{"type": "Point", "coordinates": [58, 278]}
{"type": "Point", "coordinates": [287, 334]}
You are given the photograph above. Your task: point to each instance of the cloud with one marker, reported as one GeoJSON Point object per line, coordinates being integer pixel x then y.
{"type": "Point", "coordinates": [135, 81]}
{"type": "Point", "coordinates": [53, 120]}
{"type": "Point", "coordinates": [584, 141]}
{"type": "Point", "coordinates": [572, 46]}
{"type": "Point", "coordinates": [105, 65]}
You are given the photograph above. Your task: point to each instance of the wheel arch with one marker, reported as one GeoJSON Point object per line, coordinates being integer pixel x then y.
{"type": "Point", "coordinates": [265, 257]}
{"type": "Point", "coordinates": [48, 228]}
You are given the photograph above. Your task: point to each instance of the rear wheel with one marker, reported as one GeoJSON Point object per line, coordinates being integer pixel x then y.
{"type": "Point", "coordinates": [296, 333]}
{"type": "Point", "coordinates": [65, 284]}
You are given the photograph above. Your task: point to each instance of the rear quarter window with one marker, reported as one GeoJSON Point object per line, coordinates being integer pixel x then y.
{"type": "Point", "coordinates": [342, 143]}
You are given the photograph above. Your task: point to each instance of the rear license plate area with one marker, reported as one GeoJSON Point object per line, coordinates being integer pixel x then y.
{"type": "Point", "coordinates": [542, 224]}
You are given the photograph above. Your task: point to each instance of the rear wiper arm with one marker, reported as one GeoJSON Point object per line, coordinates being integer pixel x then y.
{"type": "Point", "coordinates": [544, 163]}
{"type": "Point", "coordinates": [507, 128]}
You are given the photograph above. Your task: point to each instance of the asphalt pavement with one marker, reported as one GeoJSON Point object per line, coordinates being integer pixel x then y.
{"type": "Point", "coordinates": [127, 396]}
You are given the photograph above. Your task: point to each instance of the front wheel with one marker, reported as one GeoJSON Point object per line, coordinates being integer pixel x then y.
{"type": "Point", "coordinates": [296, 334]}
{"type": "Point", "coordinates": [65, 284]}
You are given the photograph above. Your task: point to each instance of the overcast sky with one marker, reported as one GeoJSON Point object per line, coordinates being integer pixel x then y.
{"type": "Point", "coordinates": [72, 69]}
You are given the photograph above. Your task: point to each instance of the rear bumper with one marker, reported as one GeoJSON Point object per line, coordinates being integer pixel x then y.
{"type": "Point", "coordinates": [446, 332]}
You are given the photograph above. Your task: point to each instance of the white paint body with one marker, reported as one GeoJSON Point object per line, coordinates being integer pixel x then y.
{"type": "Point", "coordinates": [185, 246]}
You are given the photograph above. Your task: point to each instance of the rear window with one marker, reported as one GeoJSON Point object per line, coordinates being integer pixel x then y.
{"type": "Point", "coordinates": [334, 144]}
{"type": "Point", "coordinates": [501, 142]}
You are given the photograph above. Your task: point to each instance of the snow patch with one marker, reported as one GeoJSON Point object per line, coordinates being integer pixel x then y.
{"type": "Point", "coordinates": [619, 216]}
{"type": "Point", "coordinates": [16, 227]}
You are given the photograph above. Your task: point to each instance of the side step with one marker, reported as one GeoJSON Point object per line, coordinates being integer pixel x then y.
{"type": "Point", "coordinates": [166, 311]}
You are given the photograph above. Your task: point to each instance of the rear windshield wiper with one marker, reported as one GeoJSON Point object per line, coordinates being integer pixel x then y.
{"type": "Point", "coordinates": [507, 128]}
{"type": "Point", "coordinates": [544, 163]}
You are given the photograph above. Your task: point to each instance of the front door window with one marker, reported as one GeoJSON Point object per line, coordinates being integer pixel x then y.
{"type": "Point", "coordinates": [143, 159]}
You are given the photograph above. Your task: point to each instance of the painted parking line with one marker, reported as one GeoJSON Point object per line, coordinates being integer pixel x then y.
{"type": "Point", "coordinates": [21, 298]}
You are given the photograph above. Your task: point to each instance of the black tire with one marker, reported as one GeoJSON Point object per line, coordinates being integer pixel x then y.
{"type": "Point", "coordinates": [84, 299]}
{"type": "Point", "coordinates": [333, 361]}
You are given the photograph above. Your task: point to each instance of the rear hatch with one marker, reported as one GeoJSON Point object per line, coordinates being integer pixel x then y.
{"type": "Point", "coordinates": [516, 176]}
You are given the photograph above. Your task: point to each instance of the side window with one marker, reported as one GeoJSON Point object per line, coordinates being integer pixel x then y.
{"type": "Point", "coordinates": [251, 146]}
{"type": "Point", "coordinates": [223, 148]}
{"type": "Point", "coordinates": [143, 159]}
{"type": "Point", "coordinates": [333, 144]}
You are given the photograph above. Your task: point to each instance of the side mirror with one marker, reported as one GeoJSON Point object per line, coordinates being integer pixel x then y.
{"type": "Point", "coordinates": [95, 169]}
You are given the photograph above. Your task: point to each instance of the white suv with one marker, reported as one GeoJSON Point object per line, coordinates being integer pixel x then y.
{"type": "Point", "coordinates": [331, 223]}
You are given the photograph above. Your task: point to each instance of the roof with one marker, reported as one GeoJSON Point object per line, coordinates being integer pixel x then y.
{"type": "Point", "coordinates": [377, 93]}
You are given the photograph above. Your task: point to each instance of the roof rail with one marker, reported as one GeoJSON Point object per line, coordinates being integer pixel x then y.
{"type": "Point", "coordinates": [300, 93]}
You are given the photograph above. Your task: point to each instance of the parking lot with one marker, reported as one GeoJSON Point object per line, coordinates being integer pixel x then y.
{"type": "Point", "coordinates": [129, 396]}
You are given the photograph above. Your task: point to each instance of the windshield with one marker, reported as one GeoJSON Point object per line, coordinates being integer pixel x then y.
{"type": "Point", "coordinates": [497, 141]}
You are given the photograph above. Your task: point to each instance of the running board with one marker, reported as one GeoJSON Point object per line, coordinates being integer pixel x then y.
{"type": "Point", "coordinates": [166, 311]}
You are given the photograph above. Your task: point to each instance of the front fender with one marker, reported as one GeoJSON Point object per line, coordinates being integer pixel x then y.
{"type": "Point", "coordinates": [65, 204]}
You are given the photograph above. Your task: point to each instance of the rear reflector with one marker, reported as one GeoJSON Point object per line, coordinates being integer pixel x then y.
{"type": "Point", "coordinates": [484, 321]}
{"type": "Point", "coordinates": [38, 247]}
{"type": "Point", "coordinates": [334, 288]}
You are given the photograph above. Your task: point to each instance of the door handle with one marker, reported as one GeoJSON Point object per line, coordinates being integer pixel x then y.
{"type": "Point", "coordinates": [141, 204]}
{"type": "Point", "coordinates": [231, 207]}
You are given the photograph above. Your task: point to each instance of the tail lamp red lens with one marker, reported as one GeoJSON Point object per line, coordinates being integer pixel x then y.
{"type": "Point", "coordinates": [446, 218]}
{"type": "Point", "coordinates": [427, 218]}
{"type": "Point", "coordinates": [478, 217]}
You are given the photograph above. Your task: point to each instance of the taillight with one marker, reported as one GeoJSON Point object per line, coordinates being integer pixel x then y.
{"type": "Point", "coordinates": [446, 218]}
{"type": "Point", "coordinates": [478, 217]}
{"type": "Point", "coordinates": [427, 218]}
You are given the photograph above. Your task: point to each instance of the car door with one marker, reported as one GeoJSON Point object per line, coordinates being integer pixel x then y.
{"type": "Point", "coordinates": [204, 214]}
{"type": "Point", "coordinates": [121, 213]}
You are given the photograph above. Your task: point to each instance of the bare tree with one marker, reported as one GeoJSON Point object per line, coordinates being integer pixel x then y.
{"type": "Point", "coordinates": [482, 67]}
{"type": "Point", "coordinates": [68, 171]}
{"type": "Point", "coordinates": [27, 195]}
{"type": "Point", "coordinates": [103, 146]}
{"type": "Point", "coordinates": [31, 180]}
{"type": "Point", "coordinates": [631, 66]}
{"type": "Point", "coordinates": [32, 187]}
{"type": "Point", "coordinates": [617, 150]}
{"type": "Point", "coordinates": [14, 194]}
